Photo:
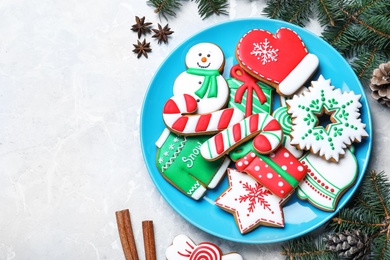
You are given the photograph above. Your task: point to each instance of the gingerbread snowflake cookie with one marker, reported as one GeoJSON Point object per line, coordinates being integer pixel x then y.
{"type": "Point", "coordinates": [342, 108]}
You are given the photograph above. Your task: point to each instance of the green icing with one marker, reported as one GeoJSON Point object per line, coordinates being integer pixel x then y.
{"type": "Point", "coordinates": [180, 162]}
{"type": "Point", "coordinates": [247, 147]}
{"type": "Point", "coordinates": [257, 107]}
{"type": "Point", "coordinates": [209, 84]}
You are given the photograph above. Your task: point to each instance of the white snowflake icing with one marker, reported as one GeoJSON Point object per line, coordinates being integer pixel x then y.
{"type": "Point", "coordinates": [264, 52]}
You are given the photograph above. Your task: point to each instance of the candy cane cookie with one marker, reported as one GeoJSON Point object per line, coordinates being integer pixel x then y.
{"type": "Point", "coordinates": [268, 131]}
{"type": "Point", "coordinates": [179, 117]}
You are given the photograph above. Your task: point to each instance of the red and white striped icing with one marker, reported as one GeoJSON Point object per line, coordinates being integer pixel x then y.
{"type": "Point", "coordinates": [268, 131]}
{"type": "Point", "coordinates": [179, 116]}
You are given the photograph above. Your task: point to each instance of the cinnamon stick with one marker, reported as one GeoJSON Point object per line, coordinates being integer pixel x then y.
{"type": "Point", "coordinates": [126, 234]}
{"type": "Point", "coordinates": [149, 243]}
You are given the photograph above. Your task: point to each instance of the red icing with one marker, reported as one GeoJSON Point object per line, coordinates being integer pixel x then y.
{"type": "Point", "coordinates": [237, 132]}
{"type": "Point", "coordinates": [262, 144]}
{"type": "Point", "coordinates": [225, 118]}
{"type": "Point", "coordinates": [191, 103]}
{"type": "Point", "coordinates": [219, 143]}
{"type": "Point", "coordinates": [203, 123]}
{"type": "Point", "coordinates": [171, 107]}
{"type": "Point", "coordinates": [272, 125]}
{"type": "Point", "coordinates": [249, 85]}
{"type": "Point", "coordinates": [207, 251]}
{"type": "Point", "coordinates": [292, 169]}
{"type": "Point", "coordinates": [289, 51]}
{"type": "Point", "coordinates": [267, 176]}
{"type": "Point", "coordinates": [180, 124]}
{"type": "Point", "coordinates": [254, 123]}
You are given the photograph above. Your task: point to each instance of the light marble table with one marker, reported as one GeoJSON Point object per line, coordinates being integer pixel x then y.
{"type": "Point", "coordinates": [71, 92]}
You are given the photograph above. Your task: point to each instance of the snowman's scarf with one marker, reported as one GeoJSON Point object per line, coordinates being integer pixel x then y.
{"type": "Point", "coordinates": [209, 84]}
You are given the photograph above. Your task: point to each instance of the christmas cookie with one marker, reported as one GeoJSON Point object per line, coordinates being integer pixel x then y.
{"type": "Point", "coordinates": [179, 117]}
{"type": "Point", "coordinates": [281, 60]}
{"type": "Point", "coordinates": [247, 93]}
{"type": "Point", "coordinates": [345, 126]}
{"type": "Point", "coordinates": [180, 163]}
{"type": "Point", "coordinates": [285, 122]}
{"type": "Point", "coordinates": [250, 202]}
{"type": "Point", "coordinates": [280, 171]}
{"type": "Point", "coordinates": [203, 79]}
{"type": "Point", "coordinates": [183, 248]}
{"type": "Point", "coordinates": [264, 127]}
{"type": "Point", "coordinates": [326, 181]}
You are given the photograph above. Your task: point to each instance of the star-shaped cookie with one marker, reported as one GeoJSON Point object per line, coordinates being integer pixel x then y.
{"type": "Point", "coordinates": [250, 203]}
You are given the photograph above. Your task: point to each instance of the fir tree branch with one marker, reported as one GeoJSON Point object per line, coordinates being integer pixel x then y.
{"type": "Point", "coordinates": [307, 248]}
{"type": "Point", "coordinates": [207, 8]}
{"type": "Point", "coordinates": [165, 7]}
{"type": "Point", "coordinates": [302, 13]}
{"type": "Point", "coordinates": [325, 8]}
{"type": "Point", "coordinates": [341, 221]}
{"type": "Point", "coordinates": [367, 64]}
{"type": "Point", "coordinates": [360, 21]}
{"type": "Point", "coordinates": [375, 178]}
{"type": "Point", "coordinates": [272, 8]}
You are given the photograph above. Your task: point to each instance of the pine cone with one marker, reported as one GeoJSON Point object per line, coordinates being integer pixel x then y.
{"type": "Point", "coordinates": [349, 244]}
{"type": "Point", "coordinates": [380, 84]}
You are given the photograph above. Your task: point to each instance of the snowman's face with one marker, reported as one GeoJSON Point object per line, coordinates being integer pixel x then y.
{"type": "Point", "coordinates": [205, 56]}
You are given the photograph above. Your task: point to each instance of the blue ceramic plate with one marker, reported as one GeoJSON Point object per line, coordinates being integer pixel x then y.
{"type": "Point", "coordinates": [300, 216]}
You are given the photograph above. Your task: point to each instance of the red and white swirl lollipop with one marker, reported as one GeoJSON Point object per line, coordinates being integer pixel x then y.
{"type": "Point", "coordinates": [183, 248]}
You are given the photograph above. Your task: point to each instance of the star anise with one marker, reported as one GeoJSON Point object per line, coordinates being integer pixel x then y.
{"type": "Point", "coordinates": [162, 33]}
{"type": "Point", "coordinates": [140, 26]}
{"type": "Point", "coordinates": [142, 48]}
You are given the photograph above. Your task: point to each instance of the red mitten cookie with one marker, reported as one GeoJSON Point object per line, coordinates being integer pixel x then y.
{"type": "Point", "coordinates": [280, 60]}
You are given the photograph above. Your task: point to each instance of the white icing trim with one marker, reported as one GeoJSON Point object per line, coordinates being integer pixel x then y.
{"type": "Point", "coordinates": [221, 171]}
{"type": "Point", "coordinates": [299, 75]}
{"type": "Point", "coordinates": [163, 137]}
{"type": "Point", "coordinates": [199, 192]}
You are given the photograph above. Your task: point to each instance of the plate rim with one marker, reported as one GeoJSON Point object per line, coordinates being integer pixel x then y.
{"type": "Point", "coordinates": [352, 190]}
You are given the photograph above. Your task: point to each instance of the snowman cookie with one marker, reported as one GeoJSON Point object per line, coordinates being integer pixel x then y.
{"type": "Point", "coordinates": [281, 60]}
{"type": "Point", "coordinates": [202, 79]}
{"type": "Point", "coordinates": [183, 248]}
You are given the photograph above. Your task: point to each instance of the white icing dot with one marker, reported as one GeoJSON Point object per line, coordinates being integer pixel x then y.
{"type": "Point", "coordinates": [239, 163]}
{"type": "Point", "coordinates": [282, 191]}
{"type": "Point", "coordinates": [280, 184]}
{"type": "Point", "coordinates": [284, 167]}
{"type": "Point", "coordinates": [270, 175]}
{"type": "Point", "coordinates": [253, 155]}
{"type": "Point", "coordinates": [246, 162]}
{"type": "Point", "coordinates": [260, 176]}
{"type": "Point", "coordinates": [286, 155]}
{"type": "Point", "coordinates": [257, 168]}
{"type": "Point", "coordinates": [300, 168]}
{"type": "Point", "coordinates": [266, 166]}
{"type": "Point", "coordinates": [291, 163]}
